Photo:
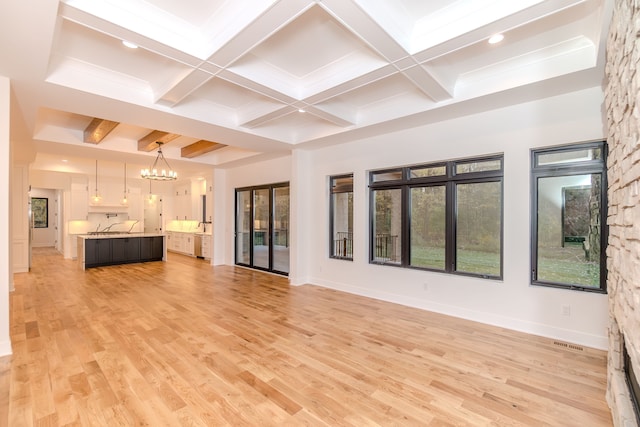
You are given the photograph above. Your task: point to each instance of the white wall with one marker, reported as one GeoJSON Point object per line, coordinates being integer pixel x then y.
{"type": "Point", "coordinates": [512, 303]}
{"type": "Point", "coordinates": [5, 229]}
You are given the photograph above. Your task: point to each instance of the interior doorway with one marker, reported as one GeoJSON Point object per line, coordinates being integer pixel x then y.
{"type": "Point", "coordinates": [44, 218]}
{"type": "Point", "coordinates": [152, 214]}
{"type": "Point", "coordinates": [262, 227]}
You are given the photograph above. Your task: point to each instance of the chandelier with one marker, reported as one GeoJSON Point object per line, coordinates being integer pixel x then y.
{"type": "Point", "coordinates": [160, 171]}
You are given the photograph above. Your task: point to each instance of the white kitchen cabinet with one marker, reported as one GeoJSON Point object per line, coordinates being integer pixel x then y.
{"type": "Point", "coordinates": [180, 242]}
{"type": "Point", "coordinates": [188, 242]}
{"type": "Point", "coordinates": [170, 241]}
{"type": "Point", "coordinates": [73, 246]}
{"type": "Point", "coordinates": [182, 203]}
{"type": "Point", "coordinates": [136, 204]}
{"type": "Point", "coordinates": [206, 246]}
{"type": "Point", "coordinates": [209, 203]}
{"type": "Point", "coordinates": [187, 201]}
{"type": "Point", "coordinates": [79, 202]}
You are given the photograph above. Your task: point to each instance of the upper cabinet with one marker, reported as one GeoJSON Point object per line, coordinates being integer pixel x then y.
{"type": "Point", "coordinates": [135, 204]}
{"type": "Point", "coordinates": [79, 201]}
{"type": "Point", "coordinates": [187, 200]}
{"type": "Point", "coordinates": [182, 202]}
{"type": "Point", "coordinates": [208, 210]}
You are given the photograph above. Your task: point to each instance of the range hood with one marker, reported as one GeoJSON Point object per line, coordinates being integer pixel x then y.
{"type": "Point", "coordinates": [108, 208]}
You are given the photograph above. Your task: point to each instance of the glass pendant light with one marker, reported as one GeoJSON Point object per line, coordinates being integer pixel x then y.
{"type": "Point", "coordinates": [150, 199]}
{"type": "Point", "coordinates": [96, 199]}
{"type": "Point", "coordinates": [125, 201]}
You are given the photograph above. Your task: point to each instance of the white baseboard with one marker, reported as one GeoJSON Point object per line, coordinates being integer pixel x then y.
{"type": "Point", "coordinates": [5, 348]}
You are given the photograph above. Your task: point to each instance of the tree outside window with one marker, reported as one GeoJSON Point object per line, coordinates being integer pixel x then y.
{"type": "Point", "coordinates": [569, 217]}
{"type": "Point", "coordinates": [444, 216]}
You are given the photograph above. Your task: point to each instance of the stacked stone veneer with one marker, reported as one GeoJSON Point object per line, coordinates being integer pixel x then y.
{"type": "Point", "coordinates": [623, 252]}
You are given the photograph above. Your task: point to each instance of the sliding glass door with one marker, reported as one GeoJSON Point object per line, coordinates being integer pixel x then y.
{"type": "Point", "coordinates": [280, 198]}
{"type": "Point", "coordinates": [243, 227]}
{"type": "Point", "coordinates": [261, 223]}
{"type": "Point", "coordinates": [262, 227]}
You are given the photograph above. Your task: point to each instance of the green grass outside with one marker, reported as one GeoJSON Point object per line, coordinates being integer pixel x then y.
{"type": "Point", "coordinates": [469, 261]}
{"type": "Point", "coordinates": [567, 265]}
{"type": "Point", "coordinates": [558, 265]}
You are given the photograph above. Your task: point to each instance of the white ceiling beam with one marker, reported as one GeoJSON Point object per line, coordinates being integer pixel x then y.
{"type": "Point", "coordinates": [177, 91]}
{"type": "Point", "coordinates": [428, 84]}
{"type": "Point", "coordinates": [255, 110]}
{"type": "Point", "coordinates": [353, 84]}
{"type": "Point", "coordinates": [339, 119]}
{"type": "Point", "coordinates": [276, 114]}
{"type": "Point", "coordinates": [363, 25]}
{"type": "Point", "coordinates": [279, 15]}
{"type": "Point", "coordinates": [246, 83]}
{"type": "Point", "coordinates": [366, 28]}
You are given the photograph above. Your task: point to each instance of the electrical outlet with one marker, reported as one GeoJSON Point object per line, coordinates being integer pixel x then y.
{"type": "Point", "coordinates": [566, 310]}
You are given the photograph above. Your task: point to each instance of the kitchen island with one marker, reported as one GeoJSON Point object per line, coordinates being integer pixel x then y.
{"type": "Point", "coordinates": [102, 249]}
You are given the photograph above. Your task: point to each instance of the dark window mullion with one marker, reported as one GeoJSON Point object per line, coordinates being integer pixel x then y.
{"type": "Point", "coordinates": [604, 227]}
{"type": "Point", "coordinates": [332, 231]}
{"type": "Point", "coordinates": [405, 249]}
{"type": "Point", "coordinates": [372, 224]}
{"type": "Point", "coordinates": [251, 226]}
{"type": "Point", "coordinates": [450, 243]}
{"type": "Point", "coordinates": [271, 230]}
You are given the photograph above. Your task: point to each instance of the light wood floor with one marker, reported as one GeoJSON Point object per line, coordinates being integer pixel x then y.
{"type": "Point", "coordinates": [184, 344]}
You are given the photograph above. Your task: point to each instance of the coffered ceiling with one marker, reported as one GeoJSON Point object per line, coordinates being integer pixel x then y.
{"type": "Point", "coordinates": [261, 77]}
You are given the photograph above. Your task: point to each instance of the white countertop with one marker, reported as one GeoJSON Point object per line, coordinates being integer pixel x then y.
{"type": "Point", "coordinates": [200, 233]}
{"type": "Point", "coordinates": [118, 235]}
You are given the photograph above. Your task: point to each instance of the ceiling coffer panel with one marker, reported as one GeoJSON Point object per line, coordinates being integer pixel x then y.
{"type": "Point", "coordinates": [239, 73]}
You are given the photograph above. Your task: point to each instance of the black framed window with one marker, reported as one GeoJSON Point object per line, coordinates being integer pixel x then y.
{"type": "Point", "coordinates": [569, 212]}
{"type": "Point", "coordinates": [341, 216]}
{"type": "Point", "coordinates": [443, 216]}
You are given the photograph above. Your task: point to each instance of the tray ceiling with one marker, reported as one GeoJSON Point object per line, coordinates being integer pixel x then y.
{"type": "Point", "coordinates": [265, 76]}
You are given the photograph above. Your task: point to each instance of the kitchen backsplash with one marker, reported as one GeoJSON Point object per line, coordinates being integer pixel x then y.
{"type": "Point", "coordinates": [106, 222]}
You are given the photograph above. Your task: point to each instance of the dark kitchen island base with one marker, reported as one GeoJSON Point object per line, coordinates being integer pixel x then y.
{"type": "Point", "coordinates": [103, 250]}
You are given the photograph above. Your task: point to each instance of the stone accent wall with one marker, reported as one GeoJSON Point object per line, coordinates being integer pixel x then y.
{"type": "Point", "coordinates": [623, 252]}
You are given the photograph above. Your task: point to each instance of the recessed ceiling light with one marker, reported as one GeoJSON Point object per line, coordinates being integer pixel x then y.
{"type": "Point", "coordinates": [496, 38]}
{"type": "Point", "coordinates": [129, 44]}
{"type": "Point", "coordinates": [301, 110]}
{"type": "Point", "coordinates": [64, 160]}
